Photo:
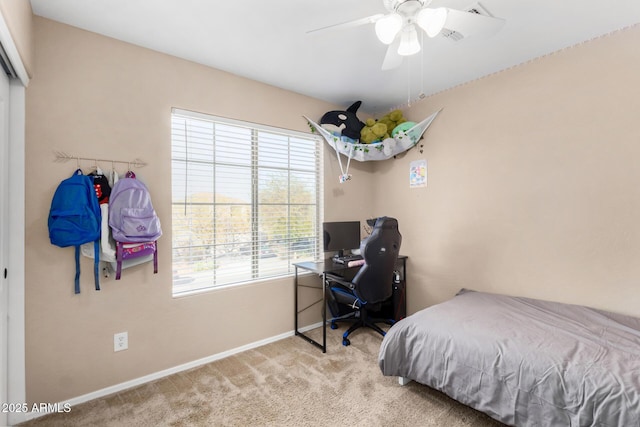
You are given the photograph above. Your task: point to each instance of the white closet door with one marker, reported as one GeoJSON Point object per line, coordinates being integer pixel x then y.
{"type": "Point", "coordinates": [4, 237]}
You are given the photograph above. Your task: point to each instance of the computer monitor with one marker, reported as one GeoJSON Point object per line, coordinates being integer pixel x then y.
{"type": "Point", "coordinates": [341, 236]}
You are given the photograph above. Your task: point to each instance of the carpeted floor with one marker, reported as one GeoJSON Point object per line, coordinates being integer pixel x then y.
{"type": "Point", "coordinates": [286, 383]}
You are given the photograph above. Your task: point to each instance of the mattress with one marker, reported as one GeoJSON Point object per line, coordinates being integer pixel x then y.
{"type": "Point", "coordinates": [524, 362]}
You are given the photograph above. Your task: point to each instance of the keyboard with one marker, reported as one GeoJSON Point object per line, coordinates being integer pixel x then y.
{"type": "Point", "coordinates": [347, 259]}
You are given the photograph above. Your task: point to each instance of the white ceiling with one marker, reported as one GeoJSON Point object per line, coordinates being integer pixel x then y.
{"type": "Point", "coordinates": [267, 40]}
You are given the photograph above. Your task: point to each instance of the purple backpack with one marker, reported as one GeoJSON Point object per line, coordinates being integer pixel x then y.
{"type": "Point", "coordinates": [132, 219]}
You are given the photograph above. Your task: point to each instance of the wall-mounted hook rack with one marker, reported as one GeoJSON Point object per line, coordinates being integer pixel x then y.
{"type": "Point", "coordinates": [62, 157]}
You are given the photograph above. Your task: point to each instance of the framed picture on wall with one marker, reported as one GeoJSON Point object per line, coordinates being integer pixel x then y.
{"type": "Point", "coordinates": [418, 174]}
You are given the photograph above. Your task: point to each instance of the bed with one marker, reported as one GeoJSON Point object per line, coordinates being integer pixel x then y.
{"type": "Point", "coordinates": [524, 362]}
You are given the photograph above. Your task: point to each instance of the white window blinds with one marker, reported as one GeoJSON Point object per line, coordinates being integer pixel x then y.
{"type": "Point", "coordinates": [245, 200]}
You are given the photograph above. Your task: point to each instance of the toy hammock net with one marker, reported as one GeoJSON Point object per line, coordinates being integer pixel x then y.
{"type": "Point", "coordinates": [381, 150]}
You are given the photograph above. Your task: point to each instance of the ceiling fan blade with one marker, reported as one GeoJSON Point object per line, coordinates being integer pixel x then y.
{"type": "Point", "coordinates": [392, 59]}
{"type": "Point", "coordinates": [472, 24]}
{"type": "Point", "coordinates": [349, 24]}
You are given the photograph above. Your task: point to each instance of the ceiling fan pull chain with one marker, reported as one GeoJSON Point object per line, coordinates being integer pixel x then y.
{"type": "Point", "coordinates": [408, 84]}
{"type": "Point", "coordinates": [421, 95]}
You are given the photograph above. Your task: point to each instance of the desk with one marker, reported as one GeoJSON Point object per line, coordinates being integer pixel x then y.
{"type": "Point", "coordinates": [324, 268]}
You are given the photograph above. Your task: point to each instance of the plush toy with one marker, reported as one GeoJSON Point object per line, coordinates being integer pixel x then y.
{"type": "Point", "coordinates": [402, 128]}
{"type": "Point", "coordinates": [343, 123]}
{"type": "Point", "coordinates": [392, 119]}
{"type": "Point", "coordinates": [378, 130]}
{"type": "Point", "coordinates": [373, 131]}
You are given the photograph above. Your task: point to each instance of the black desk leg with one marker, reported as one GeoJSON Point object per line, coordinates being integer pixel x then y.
{"type": "Point", "coordinates": [295, 298]}
{"type": "Point", "coordinates": [322, 346]}
{"type": "Point", "coordinates": [324, 312]}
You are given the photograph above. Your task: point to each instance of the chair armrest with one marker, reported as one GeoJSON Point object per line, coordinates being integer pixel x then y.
{"type": "Point", "coordinates": [330, 278]}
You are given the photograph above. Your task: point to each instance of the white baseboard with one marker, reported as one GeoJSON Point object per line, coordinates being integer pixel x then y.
{"type": "Point", "coordinates": [157, 375]}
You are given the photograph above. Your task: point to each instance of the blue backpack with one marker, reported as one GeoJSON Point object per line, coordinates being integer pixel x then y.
{"type": "Point", "coordinates": [74, 219]}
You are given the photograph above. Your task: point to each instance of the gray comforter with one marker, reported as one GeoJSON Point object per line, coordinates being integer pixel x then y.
{"type": "Point", "coordinates": [524, 362]}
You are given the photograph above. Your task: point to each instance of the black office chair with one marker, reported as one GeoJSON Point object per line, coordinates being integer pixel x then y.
{"type": "Point", "coordinates": [354, 300]}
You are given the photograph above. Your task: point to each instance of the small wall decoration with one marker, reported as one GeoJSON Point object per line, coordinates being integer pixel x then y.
{"type": "Point", "coordinates": [418, 174]}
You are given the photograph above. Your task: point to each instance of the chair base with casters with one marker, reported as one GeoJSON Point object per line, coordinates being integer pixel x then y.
{"type": "Point", "coordinates": [359, 318]}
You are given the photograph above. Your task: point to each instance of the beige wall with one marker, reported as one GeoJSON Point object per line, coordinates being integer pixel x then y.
{"type": "Point", "coordinates": [95, 96]}
{"type": "Point", "coordinates": [533, 182]}
{"type": "Point", "coordinates": [19, 19]}
{"type": "Point", "coordinates": [533, 190]}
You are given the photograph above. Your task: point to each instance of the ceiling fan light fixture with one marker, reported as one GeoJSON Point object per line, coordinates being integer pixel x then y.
{"type": "Point", "coordinates": [409, 44]}
{"type": "Point", "coordinates": [387, 27]}
{"type": "Point", "coordinates": [432, 20]}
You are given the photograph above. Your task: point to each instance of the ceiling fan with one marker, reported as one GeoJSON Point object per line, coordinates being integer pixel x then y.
{"type": "Point", "coordinates": [399, 27]}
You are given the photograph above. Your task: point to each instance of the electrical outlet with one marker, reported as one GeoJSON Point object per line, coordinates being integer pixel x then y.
{"type": "Point", "coordinates": [121, 341]}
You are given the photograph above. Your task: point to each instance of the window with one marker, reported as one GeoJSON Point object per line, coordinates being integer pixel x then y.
{"type": "Point", "coordinates": [245, 201]}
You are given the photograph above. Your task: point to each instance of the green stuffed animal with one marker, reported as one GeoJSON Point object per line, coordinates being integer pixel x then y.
{"type": "Point", "coordinates": [373, 131]}
{"type": "Point", "coordinates": [392, 119]}
{"type": "Point", "coordinates": [377, 130]}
